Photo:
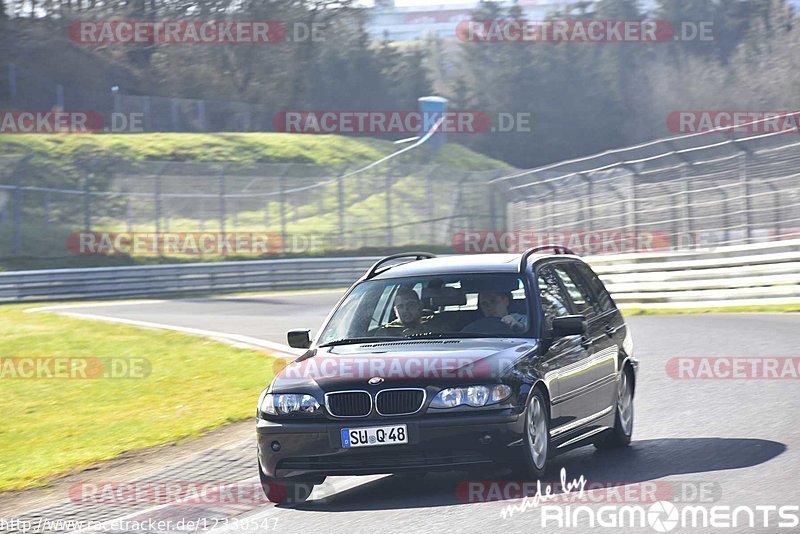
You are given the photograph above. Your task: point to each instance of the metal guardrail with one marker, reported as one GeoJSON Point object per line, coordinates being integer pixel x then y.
{"type": "Point", "coordinates": [183, 279]}
{"type": "Point", "coordinates": [763, 273]}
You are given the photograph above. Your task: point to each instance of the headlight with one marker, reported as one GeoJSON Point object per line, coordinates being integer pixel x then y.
{"type": "Point", "coordinates": [288, 403]}
{"type": "Point", "coordinates": [471, 396]}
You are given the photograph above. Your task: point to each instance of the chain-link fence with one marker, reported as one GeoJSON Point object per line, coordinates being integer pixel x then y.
{"type": "Point", "coordinates": [23, 89]}
{"type": "Point", "coordinates": [296, 208]}
{"type": "Point", "coordinates": [693, 191]}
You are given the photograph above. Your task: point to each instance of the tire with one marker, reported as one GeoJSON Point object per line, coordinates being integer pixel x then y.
{"type": "Point", "coordinates": [536, 450]}
{"type": "Point", "coordinates": [620, 435]}
{"type": "Point", "coordinates": [282, 491]}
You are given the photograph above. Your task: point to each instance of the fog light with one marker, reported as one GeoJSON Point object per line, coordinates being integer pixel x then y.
{"type": "Point", "coordinates": [275, 446]}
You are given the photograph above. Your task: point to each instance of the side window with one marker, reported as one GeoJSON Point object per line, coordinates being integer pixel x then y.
{"type": "Point", "coordinates": [384, 308]}
{"type": "Point", "coordinates": [604, 302]}
{"type": "Point", "coordinates": [553, 299]}
{"type": "Point", "coordinates": [579, 292]}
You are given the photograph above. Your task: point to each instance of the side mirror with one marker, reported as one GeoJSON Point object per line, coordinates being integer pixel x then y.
{"type": "Point", "coordinates": [299, 339]}
{"type": "Point", "coordinates": [571, 325]}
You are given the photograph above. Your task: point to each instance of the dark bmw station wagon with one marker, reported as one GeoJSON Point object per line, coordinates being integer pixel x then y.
{"type": "Point", "coordinates": [449, 363]}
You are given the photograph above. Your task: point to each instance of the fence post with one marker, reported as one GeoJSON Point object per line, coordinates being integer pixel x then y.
{"type": "Point", "coordinates": [340, 209]}
{"type": "Point", "coordinates": [745, 184]}
{"type": "Point", "coordinates": [590, 202]}
{"type": "Point", "coordinates": [87, 204]}
{"type": "Point", "coordinates": [201, 115]}
{"type": "Point", "coordinates": [492, 209]}
{"type": "Point", "coordinates": [686, 201]}
{"type": "Point", "coordinates": [12, 82]}
{"type": "Point", "coordinates": [22, 168]}
{"type": "Point", "coordinates": [222, 214]}
{"type": "Point", "coordinates": [157, 201]}
{"type": "Point", "coordinates": [46, 207]}
{"type": "Point", "coordinates": [630, 209]}
{"type": "Point", "coordinates": [282, 197]}
{"type": "Point", "coordinates": [431, 207]}
{"type": "Point", "coordinates": [128, 221]}
{"type": "Point", "coordinates": [175, 115]}
{"type": "Point", "coordinates": [147, 123]}
{"type": "Point", "coordinates": [389, 223]}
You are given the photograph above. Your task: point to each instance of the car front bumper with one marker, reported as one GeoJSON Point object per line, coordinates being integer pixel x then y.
{"type": "Point", "coordinates": [310, 450]}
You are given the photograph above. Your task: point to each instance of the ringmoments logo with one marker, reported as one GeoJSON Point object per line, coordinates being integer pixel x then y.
{"type": "Point", "coordinates": [664, 516]}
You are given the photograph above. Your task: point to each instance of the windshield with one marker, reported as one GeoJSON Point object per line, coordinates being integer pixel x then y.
{"type": "Point", "coordinates": [452, 306]}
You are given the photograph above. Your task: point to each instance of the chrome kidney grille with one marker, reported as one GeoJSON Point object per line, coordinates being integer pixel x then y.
{"type": "Point", "coordinates": [387, 402]}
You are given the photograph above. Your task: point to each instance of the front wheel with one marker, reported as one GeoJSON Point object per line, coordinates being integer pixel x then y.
{"type": "Point", "coordinates": [282, 491]}
{"type": "Point", "coordinates": [620, 435]}
{"type": "Point", "coordinates": [537, 436]}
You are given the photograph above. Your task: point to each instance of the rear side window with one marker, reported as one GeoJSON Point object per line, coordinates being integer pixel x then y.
{"type": "Point", "coordinates": [578, 291]}
{"type": "Point", "coordinates": [552, 296]}
{"type": "Point", "coordinates": [604, 301]}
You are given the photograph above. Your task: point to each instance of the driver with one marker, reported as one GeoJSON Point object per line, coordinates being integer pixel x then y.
{"type": "Point", "coordinates": [410, 320]}
{"type": "Point", "coordinates": [496, 319]}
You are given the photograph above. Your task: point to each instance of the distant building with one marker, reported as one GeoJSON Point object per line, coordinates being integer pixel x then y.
{"type": "Point", "coordinates": [417, 22]}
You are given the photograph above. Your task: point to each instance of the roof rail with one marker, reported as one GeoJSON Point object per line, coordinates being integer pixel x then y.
{"type": "Point", "coordinates": [373, 271]}
{"type": "Point", "coordinates": [523, 262]}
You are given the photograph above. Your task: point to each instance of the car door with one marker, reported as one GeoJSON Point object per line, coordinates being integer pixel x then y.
{"type": "Point", "coordinates": [565, 362]}
{"type": "Point", "coordinates": [603, 348]}
{"type": "Point", "coordinates": [612, 323]}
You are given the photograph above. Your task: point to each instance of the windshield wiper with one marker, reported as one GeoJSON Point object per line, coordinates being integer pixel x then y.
{"type": "Point", "coordinates": [454, 335]}
{"type": "Point", "coordinates": [353, 340]}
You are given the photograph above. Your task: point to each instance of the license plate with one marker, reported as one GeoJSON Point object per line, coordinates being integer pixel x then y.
{"type": "Point", "coordinates": [374, 436]}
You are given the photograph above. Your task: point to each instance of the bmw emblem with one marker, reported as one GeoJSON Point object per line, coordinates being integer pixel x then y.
{"type": "Point", "coordinates": [375, 380]}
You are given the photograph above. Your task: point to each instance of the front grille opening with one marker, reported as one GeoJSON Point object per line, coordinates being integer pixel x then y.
{"type": "Point", "coordinates": [349, 404]}
{"type": "Point", "coordinates": [384, 461]}
{"type": "Point", "coordinates": [399, 401]}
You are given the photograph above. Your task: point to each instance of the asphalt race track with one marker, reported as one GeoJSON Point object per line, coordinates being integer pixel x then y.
{"type": "Point", "coordinates": [714, 442]}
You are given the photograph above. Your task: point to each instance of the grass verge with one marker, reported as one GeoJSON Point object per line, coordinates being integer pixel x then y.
{"type": "Point", "coordinates": [54, 425]}
{"type": "Point", "coordinates": [772, 308]}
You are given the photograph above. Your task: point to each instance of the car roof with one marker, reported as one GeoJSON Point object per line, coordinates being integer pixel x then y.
{"type": "Point", "coordinates": [475, 263]}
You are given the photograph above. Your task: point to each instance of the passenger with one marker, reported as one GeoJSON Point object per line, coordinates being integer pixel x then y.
{"type": "Point", "coordinates": [496, 318]}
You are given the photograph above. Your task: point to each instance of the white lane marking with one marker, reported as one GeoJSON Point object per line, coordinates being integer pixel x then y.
{"type": "Point", "coordinates": [106, 525]}
{"type": "Point", "coordinates": [161, 301]}
{"type": "Point", "coordinates": [246, 341]}
{"type": "Point", "coordinates": [92, 305]}
{"type": "Point", "coordinates": [324, 491]}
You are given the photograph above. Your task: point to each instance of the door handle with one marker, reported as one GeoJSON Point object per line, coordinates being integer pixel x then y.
{"type": "Point", "coordinates": [586, 342]}
{"type": "Point", "coordinates": [610, 330]}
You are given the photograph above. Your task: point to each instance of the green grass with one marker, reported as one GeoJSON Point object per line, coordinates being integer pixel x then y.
{"type": "Point", "coordinates": [51, 426]}
{"type": "Point", "coordinates": [56, 150]}
{"type": "Point", "coordinates": [59, 161]}
{"type": "Point", "coordinates": [772, 308]}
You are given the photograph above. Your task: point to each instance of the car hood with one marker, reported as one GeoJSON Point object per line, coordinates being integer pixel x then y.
{"type": "Point", "coordinates": [403, 364]}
